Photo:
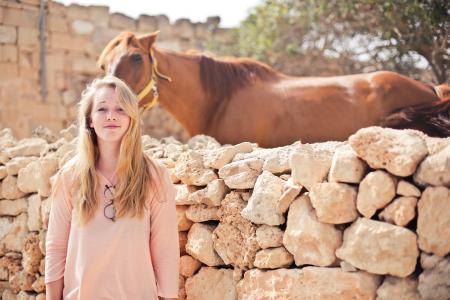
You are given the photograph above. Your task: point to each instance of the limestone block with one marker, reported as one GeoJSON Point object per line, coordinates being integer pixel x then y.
{"type": "Point", "coordinates": [202, 213]}
{"type": "Point", "coordinates": [376, 190]}
{"type": "Point", "coordinates": [290, 191]}
{"type": "Point", "coordinates": [434, 283]}
{"type": "Point", "coordinates": [346, 166]}
{"type": "Point", "coordinates": [235, 237]}
{"type": "Point", "coordinates": [82, 27]}
{"type": "Point", "coordinates": [307, 283]}
{"type": "Point", "coordinates": [190, 170]}
{"type": "Point", "coordinates": [217, 158]}
{"type": "Point", "coordinates": [398, 288]}
{"type": "Point", "coordinates": [310, 165]}
{"type": "Point", "coordinates": [404, 188]}
{"type": "Point", "coordinates": [269, 236]}
{"type": "Point", "coordinates": [35, 177]}
{"type": "Point", "coordinates": [211, 283]}
{"type": "Point", "coordinates": [435, 169]}
{"type": "Point", "coordinates": [310, 241]}
{"type": "Point", "coordinates": [27, 147]}
{"type": "Point", "coordinates": [334, 202]}
{"type": "Point", "coordinates": [241, 174]}
{"type": "Point", "coordinates": [189, 265]}
{"type": "Point", "coordinates": [262, 205]}
{"type": "Point", "coordinates": [400, 212]}
{"type": "Point", "coordinates": [433, 219]}
{"type": "Point", "coordinates": [183, 222]}
{"type": "Point", "coordinates": [9, 188]}
{"type": "Point", "coordinates": [34, 213]}
{"type": "Point", "coordinates": [273, 258]}
{"type": "Point", "coordinates": [397, 151]}
{"type": "Point", "coordinates": [212, 195]}
{"type": "Point", "coordinates": [200, 244]}
{"type": "Point", "coordinates": [379, 248]}
{"type": "Point", "coordinates": [13, 207]}
{"type": "Point", "coordinates": [14, 165]}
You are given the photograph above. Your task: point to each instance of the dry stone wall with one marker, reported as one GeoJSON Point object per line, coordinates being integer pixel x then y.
{"type": "Point", "coordinates": [363, 219]}
{"type": "Point", "coordinates": [75, 36]}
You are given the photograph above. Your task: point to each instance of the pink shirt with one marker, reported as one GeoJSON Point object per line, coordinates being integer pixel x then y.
{"type": "Point", "coordinates": [130, 258]}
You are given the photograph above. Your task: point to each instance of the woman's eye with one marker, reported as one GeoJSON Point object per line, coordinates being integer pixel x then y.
{"type": "Point", "coordinates": [101, 109]}
{"type": "Point", "coordinates": [120, 109]}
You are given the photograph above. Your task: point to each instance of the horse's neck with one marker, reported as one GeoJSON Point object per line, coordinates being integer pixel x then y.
{"type": "Point", "coordinates": [183, 97]}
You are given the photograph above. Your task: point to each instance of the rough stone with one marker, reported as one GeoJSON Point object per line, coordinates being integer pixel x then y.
{"type": "Point", "coordinates": [273, 258]}
{"type": "Point", "coordinates": [334, 202]}
{"type": "Point", "coordinates": [190, 170]}
{"type": "Point", "coordinates": [379, 248]}
{"type": "Point", "coordinates": [241, 174]}
{"type": "Point", "coordinates": [310, 241]}
{"type": "Point", "coordinates": [200, 244]}
{"type": "Point", "coordinates": [434, 283]}
{"type": "Point", "coordinates": [404, 188]}
{"type": "Point", "coordinates": [435, 169]}
{"type": "Point", "coordinates": [262, 205]}
{"type": "Point", "coordinates": [433, 220]}
{"type": "Point", "coordinates": [189, 265]}
{"type": "Point", "coordinates": [400, 212]}
{"type": "Point", "coordinates": [306, 284]}
{"type": "Point", "coordinates": [269, 236]}
{"type": "Point", "coordinates": [398, 289]}
{"type": "Point", "coordinates": [397, 151]}
{"type": "Point", "coordinates": [376, 190]}
{"type": "Point", "coordinates": [202, 213]}
{"type": "Point", "coordinates": [212, 195]}
{"type": "Point", "coordinates": [346, 166]}
{"type": "Point", "coordinates": [219, 157]}
{"type": "Point", "coordinates": [211, 283]}
{"type": "Point", "coordinates": [235, 237]}
{"type": "Point", "coordinates": [310, 166]}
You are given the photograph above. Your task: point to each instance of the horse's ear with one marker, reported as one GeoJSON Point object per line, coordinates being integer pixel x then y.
{"type": "Point", "coordinates": [148, 40]}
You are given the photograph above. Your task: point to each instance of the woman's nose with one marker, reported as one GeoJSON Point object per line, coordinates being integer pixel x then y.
{"type": "Point", "coordinates": [111, 115]}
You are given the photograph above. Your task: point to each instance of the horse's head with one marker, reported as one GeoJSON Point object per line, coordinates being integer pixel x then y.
{"type": "Point", "coordinates": [128, 57]}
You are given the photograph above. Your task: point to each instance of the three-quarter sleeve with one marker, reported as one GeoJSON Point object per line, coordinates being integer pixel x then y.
{"type": "Point", "coordinates": [164, 243]}
{"type": "Point", "coordinates": [58, 232]}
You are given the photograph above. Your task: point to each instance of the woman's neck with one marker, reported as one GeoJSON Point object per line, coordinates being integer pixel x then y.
{"type": "Point", "coordinates": [108, 157]}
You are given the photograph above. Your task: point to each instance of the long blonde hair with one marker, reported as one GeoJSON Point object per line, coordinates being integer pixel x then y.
{"type": "Point", "coordinates": [134, 169]}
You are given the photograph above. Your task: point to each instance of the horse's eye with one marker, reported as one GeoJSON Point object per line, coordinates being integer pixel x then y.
{"type": "Point", "coordinates": [102, 67]}
{"type": "Point", "coordinates": [136, 58]}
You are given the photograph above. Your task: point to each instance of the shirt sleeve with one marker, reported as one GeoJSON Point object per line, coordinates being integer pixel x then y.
{"type": "Point", "coordinates": [57, 233]}
{"type": "Point", "coordinates": [164, 243]}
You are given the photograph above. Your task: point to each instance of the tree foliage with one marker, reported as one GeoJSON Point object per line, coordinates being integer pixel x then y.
{"type": "Point", "coordinates": [331, 37]}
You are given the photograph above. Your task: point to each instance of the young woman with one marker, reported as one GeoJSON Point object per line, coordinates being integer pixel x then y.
{"type": "Point", "coordinates": [112, 232]}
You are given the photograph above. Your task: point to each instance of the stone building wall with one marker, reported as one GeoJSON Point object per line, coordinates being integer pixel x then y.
{"type": "Point", "coordinates": [362, 219]}
{"type": "Point", "coordinates": [75, 36]}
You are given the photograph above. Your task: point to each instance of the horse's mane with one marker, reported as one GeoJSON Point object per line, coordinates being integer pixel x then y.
{"type": "Point", "coordinates": [128, 36]}
{"type": "Point", "coordinates": [221, 78]}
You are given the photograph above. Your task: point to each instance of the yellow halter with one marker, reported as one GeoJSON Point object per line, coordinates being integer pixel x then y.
{"type": "Point", "coordinates": [152, 85]}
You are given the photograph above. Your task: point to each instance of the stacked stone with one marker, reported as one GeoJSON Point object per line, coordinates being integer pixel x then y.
{"type": "Point", "coordinates": [362, 219]}
{"type": "Point", "coordinates": [75, 36]}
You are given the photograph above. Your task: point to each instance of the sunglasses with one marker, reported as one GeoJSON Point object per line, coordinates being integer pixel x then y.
{"type": "Point", "coordinates": [109, 211]}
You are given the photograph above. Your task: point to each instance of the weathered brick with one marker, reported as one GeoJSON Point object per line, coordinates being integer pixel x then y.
{"type": "Point", "coordinates": [21, 17]}
{"type": "Point", "coordinates": [8, 53]}
{"type": "Point", "coordinates": [9, 71]}
{"type": "Point", "coordinates": [28, 37]}
{"type": "Point", "coordinates": [121, 21]}
{"type": "Point", "coordinates": [57, 23]}
{"type": "Point", "coordinates": [8, 34]}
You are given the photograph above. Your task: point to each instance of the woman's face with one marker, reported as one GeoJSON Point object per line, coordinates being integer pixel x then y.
{"type": "Point", "coordinates": [108, 119]}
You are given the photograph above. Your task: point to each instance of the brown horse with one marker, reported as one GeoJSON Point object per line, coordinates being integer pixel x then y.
{"type": "Point", "coordinates": [237, 100]}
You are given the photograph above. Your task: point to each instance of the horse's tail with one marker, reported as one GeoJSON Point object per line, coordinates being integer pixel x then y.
{"type": "Point", "coordinates": [431, 118]}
